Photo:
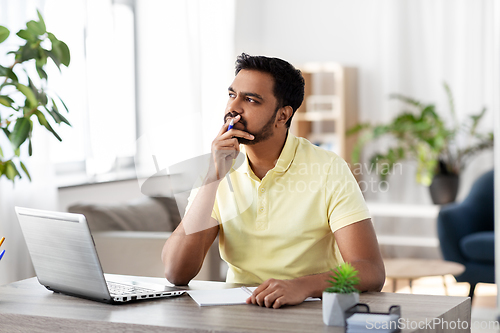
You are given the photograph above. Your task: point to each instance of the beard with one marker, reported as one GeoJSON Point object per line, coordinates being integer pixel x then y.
{"type": "Point", "coordinates": [265, 132]}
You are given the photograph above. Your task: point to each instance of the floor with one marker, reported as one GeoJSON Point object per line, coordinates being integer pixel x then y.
{"type": "Point", "coordinates": [484, 316]}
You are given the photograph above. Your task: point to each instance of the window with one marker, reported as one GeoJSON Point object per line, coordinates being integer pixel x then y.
{"type": "Point", "coordinates": [98, 87]}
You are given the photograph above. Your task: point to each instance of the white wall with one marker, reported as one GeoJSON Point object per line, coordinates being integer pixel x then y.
{"type": "Point", "coordinates": [402, 46]}
{"type": "Point", "coordinates": [496, 84]}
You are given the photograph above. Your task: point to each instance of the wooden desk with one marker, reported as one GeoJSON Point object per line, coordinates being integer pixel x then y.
{"type": "Point", "coordinates": [26, 306]}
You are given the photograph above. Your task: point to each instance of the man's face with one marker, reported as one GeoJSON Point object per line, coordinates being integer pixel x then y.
{"type": "Point", "coordinates": [251, 96]}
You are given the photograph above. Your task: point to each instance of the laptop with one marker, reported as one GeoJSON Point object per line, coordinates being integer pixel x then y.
{"type": "Point", "coordinates": [65, 259]}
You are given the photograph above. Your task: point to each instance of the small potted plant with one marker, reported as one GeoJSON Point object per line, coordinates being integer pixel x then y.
{"type": "Point", "coordinates": [341, 295]}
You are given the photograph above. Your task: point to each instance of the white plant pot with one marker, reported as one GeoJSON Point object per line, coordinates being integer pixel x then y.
{"type": "Point", "coordinates": [334, 306]}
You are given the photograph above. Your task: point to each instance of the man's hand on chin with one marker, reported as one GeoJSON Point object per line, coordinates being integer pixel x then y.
{"type": "Point", "coordinates": [276, 293]}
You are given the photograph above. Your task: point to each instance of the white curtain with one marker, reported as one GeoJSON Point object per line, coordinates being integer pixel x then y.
{"type": "Point", "coordinates": [420, 45]}
{"type": "Point", "coordinates": [41, 192]}
{"type": "Point", "coordinates": [185, 57]}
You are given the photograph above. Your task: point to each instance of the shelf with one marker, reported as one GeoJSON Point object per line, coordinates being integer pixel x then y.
{"type": "Point", "coordinates": [408, 241]}
{"type": "Point", "coordinates": [322, 67]}
{"type": "Point", "coordinates": [403, 210]}
{"type": "Point", "coordinates": [315, 116]}
{"type": "Point", "coordinates": [329, 107]}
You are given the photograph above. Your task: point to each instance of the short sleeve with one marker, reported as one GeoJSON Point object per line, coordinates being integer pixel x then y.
{"type": "Point", "coordinates": [345, 202]}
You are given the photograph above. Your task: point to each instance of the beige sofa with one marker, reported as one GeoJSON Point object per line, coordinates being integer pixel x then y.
{"type": "Point", "coordinates": [129, 237]}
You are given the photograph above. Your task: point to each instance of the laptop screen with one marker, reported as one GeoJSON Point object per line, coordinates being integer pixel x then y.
{"type": "Point", "coordinates": [63, 252]}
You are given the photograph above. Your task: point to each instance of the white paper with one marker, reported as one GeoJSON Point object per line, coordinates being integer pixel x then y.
{"type": "Point", "coordinates": [366, 322]}
{"type": "Point", "coordinates": [231, 296]}
{"type": "Point", "coordinates": [220, 296]}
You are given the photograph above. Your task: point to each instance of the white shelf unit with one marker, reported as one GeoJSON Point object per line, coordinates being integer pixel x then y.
{"type": "Point", "coordinates": [329, 108]}
{"type": "Point", "coordinates": [405, 211]}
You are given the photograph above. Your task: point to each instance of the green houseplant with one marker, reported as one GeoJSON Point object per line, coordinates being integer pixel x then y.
{"type": "Point", "coordinates": [24, 94]}
{"type": "Point", "coordinates": [421, 134]}
{"type": "Point", "coordinates": [341, 295]}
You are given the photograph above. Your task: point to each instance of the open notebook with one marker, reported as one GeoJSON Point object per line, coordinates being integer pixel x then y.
{"type": "Point", "coordinates": [225, 296]}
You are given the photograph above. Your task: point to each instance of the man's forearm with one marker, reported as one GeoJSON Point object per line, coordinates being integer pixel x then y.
{"type": "Point", "coordinates": [185, 250]}
{"type": "Point", "coordinates": [370, 276]}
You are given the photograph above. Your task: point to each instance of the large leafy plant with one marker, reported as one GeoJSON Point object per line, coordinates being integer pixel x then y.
{"type": "Point", "coordinates": [24, 94]}
{"type": "Point", "coordinates": [343, 280]}
{"type": "Point", "coordinates": [421, 134]}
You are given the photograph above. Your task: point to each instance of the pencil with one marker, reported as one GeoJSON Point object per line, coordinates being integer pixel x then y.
{"type": "Point", "coordinates": [1, 254]}
{"type": "Point", "coordinates": [1, 240]}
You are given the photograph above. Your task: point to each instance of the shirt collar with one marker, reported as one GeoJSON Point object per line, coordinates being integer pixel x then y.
{"type": "Point", "coordinates": [284, 161]}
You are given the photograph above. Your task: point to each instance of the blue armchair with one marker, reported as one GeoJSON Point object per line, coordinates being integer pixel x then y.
{"type": "Point", "coordinates": [466, 236]}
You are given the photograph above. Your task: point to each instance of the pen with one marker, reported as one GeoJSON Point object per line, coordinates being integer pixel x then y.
{"type": "Point", "coordinates": [231, 124]}
{"type": "Point", "coordinates": [245, 288]}
{"type": "Point", "coordinates": [1, 254]}
{"type": "Point", "coordinates": [1, 240]}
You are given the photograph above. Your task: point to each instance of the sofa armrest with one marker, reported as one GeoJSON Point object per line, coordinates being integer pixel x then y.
{"type": "Point", "coordinates": [139, 253]}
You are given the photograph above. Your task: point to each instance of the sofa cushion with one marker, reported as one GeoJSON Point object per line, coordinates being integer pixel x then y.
{"type": "Point", "coordinates": [479, 246]}
{"type": "Point", "coordinates": [145, 214]}
{"type": "Point", "coordinates": [170, 204]}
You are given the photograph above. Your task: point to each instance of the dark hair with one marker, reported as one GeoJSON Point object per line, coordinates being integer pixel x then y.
{"type": "Point", "coordinates": [288, 81]}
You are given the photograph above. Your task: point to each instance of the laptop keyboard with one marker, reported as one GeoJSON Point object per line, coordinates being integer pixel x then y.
{"type": "Point", "coordinates": [126, 289]}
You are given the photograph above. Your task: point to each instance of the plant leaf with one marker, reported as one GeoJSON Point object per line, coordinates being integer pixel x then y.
{"type": "Point", "coordinates": [30, 146]}
{"type": "Point", "coordinates": [41, 73]}
{"type": "Point", "coordinates": [4, 33]}
{"type": "Point", "coordinates": [344, 279]}
{"type": "Point", "coordinates": [41, 23]}
{"type": "Point", "coordinates": [20, 132]}
{"type": "Point", "coordinates": [6, 100]}
{"type": "Point", "coordinates": [11, 171]}
{"type": "Point", "coordinates": [11, 75]}
{"type": "Point", "coordinates": [6, 132]}
{"type": "Point", "coordinates": [65, 54]}
{"type": "Point", "coordinates": [28, 52]}
{"type": "Point", "coordinates": [26, 91]}
{"type": "Point", "coordinates": [35, 28]}
{"type": "Point", "coordinates": [25, 34]}
{"type": "Point", "coordinates": [58, 118]}
{"type": "Point", "coordinates": [54, 58]}
{"type": "Point", "coordinates": [40, 95]}
{"type": "Point", "coordinates": [62, 102]}
{"type": "Point", "coordinates": [43, 121]}
{"type": "Point", "coordinates": [25, 170]}
{"type": "Point", "coordinates": [451, 103]}
{"type": "Point", "coordinates": [406, 99]}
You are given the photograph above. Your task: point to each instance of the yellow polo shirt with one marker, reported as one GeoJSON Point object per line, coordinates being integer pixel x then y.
{"type": "Point", "coordinates": [282, 226]}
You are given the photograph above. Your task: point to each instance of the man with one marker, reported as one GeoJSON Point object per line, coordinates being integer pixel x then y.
{"type": "Point", "coordinates": [302, 212]}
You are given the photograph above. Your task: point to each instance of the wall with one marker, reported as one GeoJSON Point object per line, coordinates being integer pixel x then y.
{"type": "Point", "coordinates": [401, 46]}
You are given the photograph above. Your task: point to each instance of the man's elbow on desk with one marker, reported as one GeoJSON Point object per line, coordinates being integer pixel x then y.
{"type": "Point", "coordinates": [371, 274]}
{"type": "Point", "coordinates": [176, 279]}
{"type": "Point", "coordinates": [176, 271]}
{"type": "Point", "coordinates": [178, 276]}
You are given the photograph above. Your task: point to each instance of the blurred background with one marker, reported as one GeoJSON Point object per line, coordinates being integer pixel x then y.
{"type": "Point", "coordinates": [149, 78]}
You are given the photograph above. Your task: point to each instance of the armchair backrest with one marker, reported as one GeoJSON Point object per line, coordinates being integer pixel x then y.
{"type": "Point", "coordinates": [481, 198]}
